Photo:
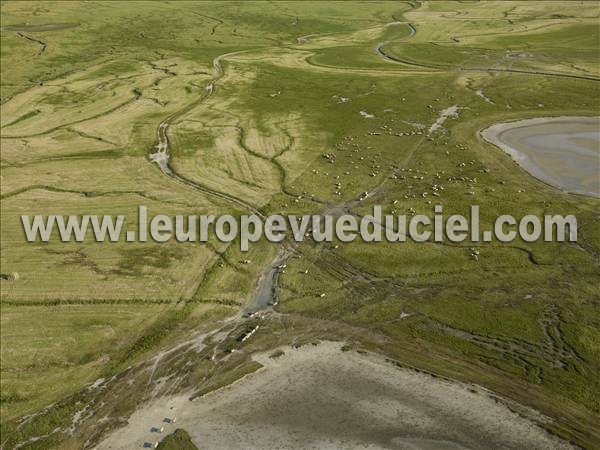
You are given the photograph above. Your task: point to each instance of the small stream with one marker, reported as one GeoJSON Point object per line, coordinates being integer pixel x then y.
{"type": "Point", "coordinates": [265, 295]}
{"type": "Point", "coordinates": [379, 47]}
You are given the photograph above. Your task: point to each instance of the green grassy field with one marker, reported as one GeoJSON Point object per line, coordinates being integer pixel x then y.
{"type": "Point", "coordinates": [178, 440]}
{"type": "Point", "coordinates": [84, 88]}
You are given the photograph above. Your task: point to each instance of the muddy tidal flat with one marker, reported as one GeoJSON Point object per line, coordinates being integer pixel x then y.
{"type": "Point", "coordinates": [319, 396]}
{"type": "Point", "coordinates": [563, 152]}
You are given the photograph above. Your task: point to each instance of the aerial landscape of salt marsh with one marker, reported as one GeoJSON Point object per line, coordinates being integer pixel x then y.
{"type": "Point", "coordinates": [227, 108]}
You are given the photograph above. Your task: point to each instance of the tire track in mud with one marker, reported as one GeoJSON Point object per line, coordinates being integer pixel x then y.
{"type": "Point", "coordinates": [554, 352]}
{"type": "Point", "coordinates": [555, 340]}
